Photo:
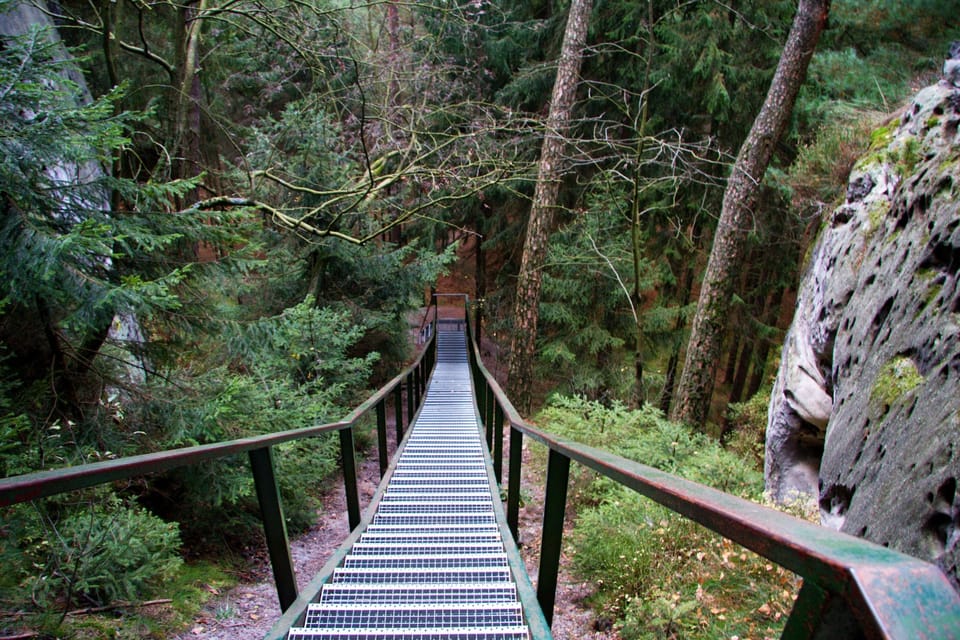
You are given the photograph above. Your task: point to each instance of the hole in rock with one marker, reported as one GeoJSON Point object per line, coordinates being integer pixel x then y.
{"type": "Point", "coordinates": [880, 317]}
{"type": "Point", "coordinates": [947, 492]}
{"type": "Point", "coordinates": [942, 256]}
{"type": "Point", "coordinates": [938, 528]}
{"type": "Point", "coordinates": [834, 503]}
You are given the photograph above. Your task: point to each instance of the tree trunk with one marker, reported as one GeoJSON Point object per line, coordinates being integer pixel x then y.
{"type": "Point", "coordinates": [733, 350]}
{"type": "Point", "coordinates": [771, 314]}
{"type": "Point", "coordinates": [526, 310]}
{"type": "Point", "coordinates": [185, 137]}
{"type": "Point", "coordinates": [709, 323]}
{"type": "Point", "coordinates": [666, 395]}
{"type": "Point", "coordinates": [743, 367]}
{"type": "Point", "coordinates": [480, 272]}
{"type": "Point", "coordinates": [636, 234]}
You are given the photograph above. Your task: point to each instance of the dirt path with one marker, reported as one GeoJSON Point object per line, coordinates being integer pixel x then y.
{"type": "Point", "coordinates": [248, 611]}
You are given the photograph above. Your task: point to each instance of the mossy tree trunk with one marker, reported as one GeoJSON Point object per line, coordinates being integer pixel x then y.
{"type": "Point", "coordinates": [526, 310]}
{"type": "Point", "coordinates": [737, 215]}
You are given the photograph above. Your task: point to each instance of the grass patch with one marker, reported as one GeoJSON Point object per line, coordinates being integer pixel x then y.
{"type": "Point", "coordinates": [659, 575]}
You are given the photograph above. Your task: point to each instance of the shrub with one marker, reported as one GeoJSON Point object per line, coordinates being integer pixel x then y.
{"type": "Point", "coordinates": [107, 552]}
{"type": "Point", "coordinates": [748, 428]}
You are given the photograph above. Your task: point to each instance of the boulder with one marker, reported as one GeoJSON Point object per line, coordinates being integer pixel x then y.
{"type": "Point", "coordinates": [865, 412]}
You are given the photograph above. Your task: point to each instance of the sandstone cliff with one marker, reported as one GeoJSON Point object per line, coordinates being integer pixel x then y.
{"type": "Point", "coordinates": [865, 413]}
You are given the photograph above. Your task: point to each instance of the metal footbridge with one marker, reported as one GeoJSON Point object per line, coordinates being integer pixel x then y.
{"type": "Point", "coordinates": [434, 554]}
{"type": "Point", "coordinates": [432, 562]}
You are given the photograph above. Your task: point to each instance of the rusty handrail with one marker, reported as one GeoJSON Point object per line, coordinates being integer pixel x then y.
{"type": "Point", "coordinates": [41, 484]}
{"type": "Point", "coordinates": [851, 587]}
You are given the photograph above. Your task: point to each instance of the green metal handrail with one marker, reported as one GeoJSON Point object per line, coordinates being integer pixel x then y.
{"type": "Point", "coordinates": [851, 587]}
{"type": "Point", "coordinates": [41, 484]}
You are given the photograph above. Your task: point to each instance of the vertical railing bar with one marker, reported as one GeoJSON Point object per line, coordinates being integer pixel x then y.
{"type": "Point", "coordinates": [487, 393]}
{"type": "Point", "coordinates": [410, 397]}
{"type": "Point", "coordinates": [274, 526]}
{"type": "Point", "coordinates": [491, 404]}
{"type": "Point", "coordinates": [513, 483]}
{"type": "Point", "coordinates": [398, 409]}
{"type": "Point", "coordinates": [416, 384]}
{"type": "Point", "coordinates": [350, 476]}
{"type": "Point", "coordinates": [498, 442]}
{"type": "Point", "coordinates": [423, 374]}
{"type": "Point", "coordinates": [382, 436]}
{"type": "Point", "coordinates": [807, 611]}
{"type": "Point", "coordinates": [554, 508]}
{"type": "Point", "coordinates": [424, 369]}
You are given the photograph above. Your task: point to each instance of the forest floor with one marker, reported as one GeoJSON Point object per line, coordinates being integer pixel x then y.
{"type": "Point", "coordinates": [248, 610]}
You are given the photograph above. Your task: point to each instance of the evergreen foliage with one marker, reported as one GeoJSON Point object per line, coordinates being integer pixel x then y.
{"type": "Point", "coordinates": [107, 552]}
{"type": "Point", "coordinates": [167, 330]}
{"type": "Point", "coordinates": [60, 243]}
{"type": "Point", "coordinates": [133, 321]}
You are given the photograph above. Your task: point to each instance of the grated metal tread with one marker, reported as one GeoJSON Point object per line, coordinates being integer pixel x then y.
{"type": "Point", "coordinates": [428, 547]}
{"type": "Point", "coordinates": [406, 616]}
{"type": "Point", "coordinates": [430, 594]}
{"type": "Point", "coordinates": [431, 564]}
{"type": "Point", "coordinates": [422, 576]}
{"type": "Point", "coordinates": [514, 633]}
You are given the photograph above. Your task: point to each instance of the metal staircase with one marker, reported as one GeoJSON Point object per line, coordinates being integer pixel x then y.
{"type": "Point", "coordinates": [431, 564]}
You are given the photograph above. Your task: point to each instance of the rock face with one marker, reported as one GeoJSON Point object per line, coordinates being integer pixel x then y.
{"type": "Point", "coordinates": [865, 413]}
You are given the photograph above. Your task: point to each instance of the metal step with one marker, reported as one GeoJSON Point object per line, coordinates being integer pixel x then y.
{"type": "Point", "coordinates": [435, 539]}
{"type": "Point", "coordinates": [503, 633]}
{"type": "Point", "coordinates": [391, 594]}
{"type": "Point", "coordinates": [431, 561]}
{"type": "Point", "coordinates": [409, 576]}
{"type": "Point", "coordinates": [404, 616]}
{"type": "Point", "coordinates": [450, 529]}
{"type": "Point", "coordinates": [468, 549]}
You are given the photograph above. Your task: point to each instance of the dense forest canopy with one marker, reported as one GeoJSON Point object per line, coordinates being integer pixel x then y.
{"type": "Point", "coordinates": [218, 214]}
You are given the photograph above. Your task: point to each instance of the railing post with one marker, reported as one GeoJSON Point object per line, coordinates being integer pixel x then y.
{"type": "Point", "coordinates": [410, 397]}
{"type": "Point", "coordinates": [424, 374]}
{"type": "Point", "coordinates": [274, 526]}
{"type": "Point", "coordinates": [491, 404]}
{"type": "Point", "coordinates": [398, 409]}
{"type": "Point", "coordinates": [554, 508]}
{"type": "Point", "coordinates": [350, 476]}
{"type": "Point", "coordinates": [486, 393]}
{"type": "Point", "coordinates": [416, 384]}
{"type": "Point", "coordinates": [498, 442]}
{"type": "Point", "coordinates": [818, 613]}
{"type": "Point", "coordinates": [513, 482]}
{"type": "Point", "coordinates": [382, 436]}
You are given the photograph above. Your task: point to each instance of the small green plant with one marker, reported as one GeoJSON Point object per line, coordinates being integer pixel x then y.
{"type": "Point", "coordinates": [748, 427]}
{"type": "Point", "coordinates": [660, 615]}
{"type": "Point", "coordinates": [106, 552]}
{"type": "Point", "coordinates": [897, 377]}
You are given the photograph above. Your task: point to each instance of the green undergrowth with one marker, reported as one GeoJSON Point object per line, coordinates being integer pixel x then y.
{"type": "Point", "coordinates": [657, 574]}
{"type": "Point", "coordinates": [166, 608]}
